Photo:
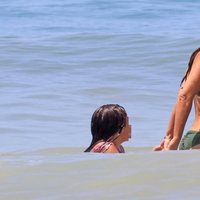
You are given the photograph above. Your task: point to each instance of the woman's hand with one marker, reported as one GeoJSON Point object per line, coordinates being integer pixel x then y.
{"type": "Point", "coordinates": [159, 147]}
{"type": "Point", "coordinates": [172, 144]}
{"type": "Point", "coordinates": [163, 145]}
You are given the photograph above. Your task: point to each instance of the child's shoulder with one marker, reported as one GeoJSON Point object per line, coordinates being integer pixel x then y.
{"type": "Point", "coordinates": [112, 148]}
{"type": "Point", "coordinates": [107, 147]}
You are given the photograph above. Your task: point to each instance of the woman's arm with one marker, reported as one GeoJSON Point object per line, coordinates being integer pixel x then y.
{"type": "Point", "coordinates": [183, 108]}
{"type": "Point", "coordinates": [170, 128]}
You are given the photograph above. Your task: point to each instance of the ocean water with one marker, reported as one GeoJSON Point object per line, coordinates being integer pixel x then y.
{"type": "Point", "coordinates": [59, 61]}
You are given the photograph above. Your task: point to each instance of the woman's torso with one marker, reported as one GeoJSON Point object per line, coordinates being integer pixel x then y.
{"type": "Point", "coordinates": [196, 123]}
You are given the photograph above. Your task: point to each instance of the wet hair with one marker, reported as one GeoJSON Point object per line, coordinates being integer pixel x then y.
{"type": "Point", "coordinates": [190, 64]}
{"type": "Point", "coordinates": [106, 121]}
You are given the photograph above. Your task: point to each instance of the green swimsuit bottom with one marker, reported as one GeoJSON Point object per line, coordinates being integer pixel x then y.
{"type": "Point", "coordinates": [190, 139]}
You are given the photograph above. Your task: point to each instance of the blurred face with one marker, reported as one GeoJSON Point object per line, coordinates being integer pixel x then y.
{"type": "Point", "coordinates": [126, 131]}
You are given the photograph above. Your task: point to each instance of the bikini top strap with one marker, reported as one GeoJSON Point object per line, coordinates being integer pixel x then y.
{"type": "Point", "coordinates": [102, 147]}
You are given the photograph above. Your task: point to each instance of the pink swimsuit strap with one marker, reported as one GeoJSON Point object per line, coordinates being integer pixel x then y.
{"type": "Point", "coordinates": [102, 147]}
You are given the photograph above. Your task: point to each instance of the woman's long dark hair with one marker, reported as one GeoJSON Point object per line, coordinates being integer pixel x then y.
{"type": "Point", "coordinates": [106, 121]}
{"type": "Point", "coordinates": [190, 64]}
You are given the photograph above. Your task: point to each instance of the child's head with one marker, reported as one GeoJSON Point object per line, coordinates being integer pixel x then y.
{"type": "Point", "coordinates": [109, 123]}
{"type": "Point", "coordinates": [107, 120]}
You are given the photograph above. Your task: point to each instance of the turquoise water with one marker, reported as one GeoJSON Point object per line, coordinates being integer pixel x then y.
{"type": "Point", "coordinates": [59, 61]}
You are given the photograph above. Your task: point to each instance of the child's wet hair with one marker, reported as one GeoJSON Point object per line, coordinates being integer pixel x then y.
{"type": "Point", "coordinates": [106, 121]}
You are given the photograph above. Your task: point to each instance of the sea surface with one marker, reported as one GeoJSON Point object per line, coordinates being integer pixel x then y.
{"type": "Point", "coordinates": [59, 61]}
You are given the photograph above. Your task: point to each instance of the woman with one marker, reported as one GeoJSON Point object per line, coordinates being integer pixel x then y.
{"type": "Point", "coordinates": [189, 92]}
{"type": "Point", "coordinates": [110, 128]}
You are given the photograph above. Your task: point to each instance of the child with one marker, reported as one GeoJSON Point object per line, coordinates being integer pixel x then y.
{"type": "Point", "coordinates": [110, 128]}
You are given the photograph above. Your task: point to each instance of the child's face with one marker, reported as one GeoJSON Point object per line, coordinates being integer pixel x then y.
{"type": "Point", "coordinates": [126, 131]}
